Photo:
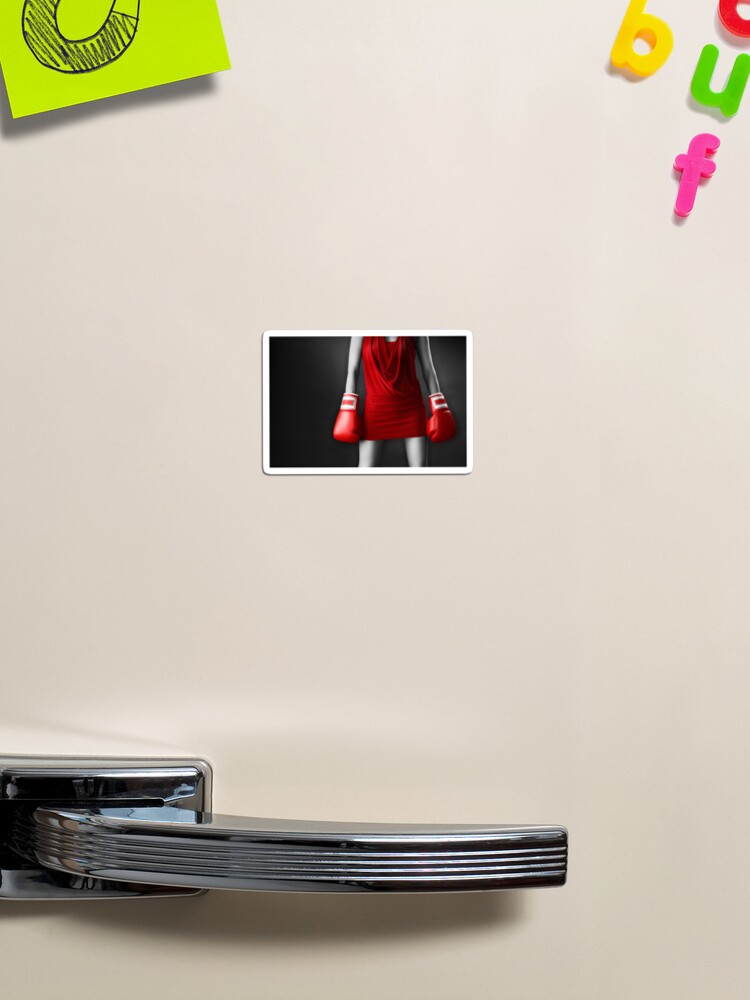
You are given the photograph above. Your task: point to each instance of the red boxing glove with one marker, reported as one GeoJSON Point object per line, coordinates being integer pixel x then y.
{"type": "Point", "coordinates": [441, 426]}
{"type": "Point", "coordinates": [348, 426]}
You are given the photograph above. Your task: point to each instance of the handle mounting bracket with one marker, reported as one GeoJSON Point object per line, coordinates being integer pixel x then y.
{"type": "Point", "coordinates": [83, 783]}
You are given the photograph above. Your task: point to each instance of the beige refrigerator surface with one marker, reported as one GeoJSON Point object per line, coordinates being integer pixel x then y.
{"type": "Point", "coordinates": [560, 636]}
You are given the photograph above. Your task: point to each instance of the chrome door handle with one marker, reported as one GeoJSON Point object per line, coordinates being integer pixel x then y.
{"type": "Point", "coordinates": [178, 847]}
{"type": "Point", "coordinates": [111, 836]}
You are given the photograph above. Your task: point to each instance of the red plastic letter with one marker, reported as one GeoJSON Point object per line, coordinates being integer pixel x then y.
{"type": "Point", "coordinates": [732, 19]}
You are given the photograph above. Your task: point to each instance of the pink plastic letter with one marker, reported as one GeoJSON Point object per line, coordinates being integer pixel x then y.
{"type": "Point", "coordinates": [693, 165]}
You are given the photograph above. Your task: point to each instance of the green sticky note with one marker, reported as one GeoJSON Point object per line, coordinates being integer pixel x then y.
{"type": "Point", "coordinates": [55, 53]}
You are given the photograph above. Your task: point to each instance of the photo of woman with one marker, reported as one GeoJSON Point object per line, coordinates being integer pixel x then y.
{"type": "Point", "coordinates": [394, 416]}
{"type": "Point", "coordinates": [394, 408]}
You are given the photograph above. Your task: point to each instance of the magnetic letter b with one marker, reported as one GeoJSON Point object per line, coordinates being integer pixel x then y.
{"type": "Point", "coordinates": [653, 31]}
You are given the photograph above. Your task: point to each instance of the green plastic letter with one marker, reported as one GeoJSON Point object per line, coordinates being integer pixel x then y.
{"type": "Point", "coordinates": [727, 100]}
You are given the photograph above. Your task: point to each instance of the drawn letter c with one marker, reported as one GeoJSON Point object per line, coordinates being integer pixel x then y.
{"type": "Point", "coordinates": [78, 55]}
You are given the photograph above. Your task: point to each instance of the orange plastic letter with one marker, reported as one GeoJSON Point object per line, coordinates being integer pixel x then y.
{"type": "Point", "coordinates": [652, 30]}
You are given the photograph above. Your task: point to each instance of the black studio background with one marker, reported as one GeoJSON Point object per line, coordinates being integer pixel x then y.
{"type": "Point", "coordinates": [307, 376]}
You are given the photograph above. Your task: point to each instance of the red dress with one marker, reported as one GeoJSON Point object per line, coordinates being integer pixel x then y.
{"type": "Point", "coordinates": [394, 407]}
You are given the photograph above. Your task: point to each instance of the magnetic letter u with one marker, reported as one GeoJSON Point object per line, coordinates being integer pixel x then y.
{"type": "Point", "coordinates": [727, 100]}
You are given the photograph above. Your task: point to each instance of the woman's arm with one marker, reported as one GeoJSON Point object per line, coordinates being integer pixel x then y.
{"type": "Point", "coordinates": [355, 357]}
{"type": "Point", "coordinates": [441, 426]}
{"type": "Point", "coordinates": [348, 426]}
{"type": "Point", "coordinates": [428, 367]}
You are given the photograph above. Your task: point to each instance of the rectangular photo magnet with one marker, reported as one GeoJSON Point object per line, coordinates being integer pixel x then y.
{"type": "Point", "coordinates": [367, 402]}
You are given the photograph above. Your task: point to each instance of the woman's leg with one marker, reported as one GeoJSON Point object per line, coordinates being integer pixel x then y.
{"type": "Point", "coordinates": [370, 453]}
{"type": "Point", "coordinates": [416, 452]}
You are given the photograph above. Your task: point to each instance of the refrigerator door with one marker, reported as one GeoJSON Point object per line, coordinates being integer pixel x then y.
{"type": "Point", "coordinates": [558, 637]}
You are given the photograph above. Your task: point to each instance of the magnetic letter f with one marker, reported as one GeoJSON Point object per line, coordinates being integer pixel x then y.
{"type": "Point", "coordinates": [693, 165]}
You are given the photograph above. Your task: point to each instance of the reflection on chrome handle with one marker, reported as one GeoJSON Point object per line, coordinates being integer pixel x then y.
{"type": "Point", "coordinates": [182, 848]}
